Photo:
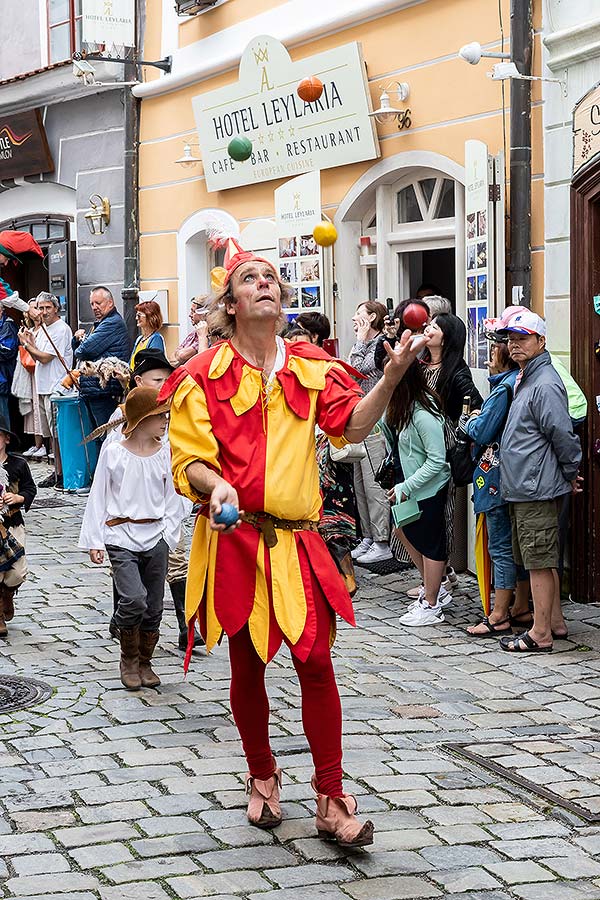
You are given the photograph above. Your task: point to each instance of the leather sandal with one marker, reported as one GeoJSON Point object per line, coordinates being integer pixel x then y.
{"type": "Point", "coordinates": [522, 620]}
{"type": "Point", "coordinates": [513, 644]}
{"type": "Point", "coordinates": [336, 820]}
{"type": "Point", "coordinates": [493, 628]}
{"type": "Point", "coordinates": [264, 810]}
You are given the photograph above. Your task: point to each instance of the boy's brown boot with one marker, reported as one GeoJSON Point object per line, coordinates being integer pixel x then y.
{"type": "Point", "coordinates": [130, 658]}
{"type": "Point", "coordinates": [148, 641]}
{"type": "Point", "coordinates": [3, 628]}
{"type": "Point", "coordinates": [7, 598]}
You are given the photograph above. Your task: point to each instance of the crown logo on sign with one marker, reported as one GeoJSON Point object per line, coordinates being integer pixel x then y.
{"type": "Point", "coordinates": [261, 54]}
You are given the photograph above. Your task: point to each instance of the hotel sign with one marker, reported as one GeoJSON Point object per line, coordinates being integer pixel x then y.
{"type": "Point", "coordinates": [288, 136]}
{"type": "Point", "coordinates": [23, 146]}
{"type": "Point", "coordinates": [586, 129]}
{"type": "Point", "coordinates": [109, 22]}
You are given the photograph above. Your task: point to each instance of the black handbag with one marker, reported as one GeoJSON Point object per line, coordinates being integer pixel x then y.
{"type": "Point", "coordinates": [462, 464]}
{"type": "Point", "coordinates": [385, 476]}
{"type": "Point", "coordinates": [389, 471]}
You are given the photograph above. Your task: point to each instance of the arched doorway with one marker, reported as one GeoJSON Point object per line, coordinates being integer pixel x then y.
{"type": "Point", "coordinates": [196, 257]}
{"type": "Point", "coordinates": [47, 211]}
{"type": "Point", "coordinates": [411, 208]}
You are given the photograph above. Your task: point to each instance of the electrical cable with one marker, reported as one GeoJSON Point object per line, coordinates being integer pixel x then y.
{"type": "Point", "coordinates": [503, 83]}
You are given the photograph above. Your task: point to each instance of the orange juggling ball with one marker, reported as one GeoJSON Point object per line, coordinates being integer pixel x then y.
{"type": "Point", "coordinates": [310, 89]}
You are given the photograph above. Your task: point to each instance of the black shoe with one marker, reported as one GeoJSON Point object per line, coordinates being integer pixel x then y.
{"type": "Point", "coordinates": [183, 640]}
{"type": "Point", "coordinates": [48, 482]}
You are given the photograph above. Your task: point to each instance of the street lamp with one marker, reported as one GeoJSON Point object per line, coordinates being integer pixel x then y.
{"type": "Point", "coordinates": [386, 113]}
{"type": "Point", "coordinates": [188, 160]}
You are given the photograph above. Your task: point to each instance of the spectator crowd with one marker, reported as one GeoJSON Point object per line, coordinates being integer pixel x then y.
{"type": "Point", "coordinates": [384, 442]}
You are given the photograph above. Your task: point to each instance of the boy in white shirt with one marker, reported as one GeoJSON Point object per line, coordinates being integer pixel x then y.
{"type": "Point", "coordinates": [134, 514]}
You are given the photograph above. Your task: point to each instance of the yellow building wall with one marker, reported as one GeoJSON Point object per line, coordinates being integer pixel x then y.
{"type": "Point", "coordinates": [451, 102]}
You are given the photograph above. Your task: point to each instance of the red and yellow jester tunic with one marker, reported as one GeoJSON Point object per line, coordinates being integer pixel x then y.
{"type": "Point", "coordinates": [262, 441]}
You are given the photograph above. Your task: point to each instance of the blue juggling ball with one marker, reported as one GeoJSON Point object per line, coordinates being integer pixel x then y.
{"type": "Point", "coordinates": [228, 516]}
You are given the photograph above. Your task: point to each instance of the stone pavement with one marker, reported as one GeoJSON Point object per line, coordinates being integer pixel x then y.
{"type": "Point", "coordinates": [109, 795]}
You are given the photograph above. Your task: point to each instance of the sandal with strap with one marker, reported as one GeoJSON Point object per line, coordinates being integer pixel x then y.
{"type": "Point", "coordinates": [264, 810]}
{"type": "Point", "coordinates": [493, 628]}
{"type": "Point", "coordinates": [521, 620]}
{"type": "Point", "coordinates": [513, 644]}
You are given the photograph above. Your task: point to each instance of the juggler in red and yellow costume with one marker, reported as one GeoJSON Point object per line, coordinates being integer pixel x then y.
{"type": "Point", "coordinates": [260, 437]}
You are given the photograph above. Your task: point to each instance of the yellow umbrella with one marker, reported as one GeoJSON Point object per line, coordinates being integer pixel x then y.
{"type": "Point", "coordinates": [483, 563]}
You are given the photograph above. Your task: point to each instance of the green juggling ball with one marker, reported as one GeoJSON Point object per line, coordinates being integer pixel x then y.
{"type": "Point", "coordinates": [240, 148]}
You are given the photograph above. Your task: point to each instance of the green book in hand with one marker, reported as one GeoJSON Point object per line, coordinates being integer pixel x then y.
{"type": "Point", "coordinates": [406, 512]}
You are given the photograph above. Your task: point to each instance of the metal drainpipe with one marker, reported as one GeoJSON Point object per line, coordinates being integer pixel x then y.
{"type": "Point", "coordinates": [131, 283]}
{"type": "Point", "coordinates": [521, 37]}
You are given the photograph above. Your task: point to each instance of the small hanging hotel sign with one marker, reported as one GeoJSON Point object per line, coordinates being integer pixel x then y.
{"type": "Point", "coordinates": [289, 136]}
{"type": "Point", "coordinates": [586, 129]}
{"type": "Point", "coordinates": [109, 22]}
{"type": "Point", "coordinates": [23, 146]}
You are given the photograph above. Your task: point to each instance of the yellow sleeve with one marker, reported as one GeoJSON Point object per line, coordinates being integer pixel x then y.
{"type": "Point", "coordinates": [191, 436]}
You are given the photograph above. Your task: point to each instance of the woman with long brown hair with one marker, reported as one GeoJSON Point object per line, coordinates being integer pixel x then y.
{"type": "Point", "coordinates": [414, 413]}
{"type": "Point", "coordinates": [149, 320]}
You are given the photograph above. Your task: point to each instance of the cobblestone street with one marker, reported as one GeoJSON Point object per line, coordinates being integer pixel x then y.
{"type": "Point", "coordinates": [139, 796]}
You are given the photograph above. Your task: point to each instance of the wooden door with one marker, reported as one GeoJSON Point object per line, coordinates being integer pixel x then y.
{"type": "Point", "coordinates": [585, 333]}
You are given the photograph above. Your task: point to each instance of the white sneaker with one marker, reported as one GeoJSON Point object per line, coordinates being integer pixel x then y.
{"type": "Point", "coordinates": [445, 598]}
{"type": "Point", "coordinates": [40, 453]}
{"type": "Point", "coordinates": [29, 452]}
{"type": "Point", "coordinates": [362, 548]}
{"type": "Point", "coordinates": [423, 614]}
{"type": "Point", "coordinates": [377, 552]}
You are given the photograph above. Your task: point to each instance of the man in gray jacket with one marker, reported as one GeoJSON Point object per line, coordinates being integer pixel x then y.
{"type": "Point", "coordinates": [538, 469]}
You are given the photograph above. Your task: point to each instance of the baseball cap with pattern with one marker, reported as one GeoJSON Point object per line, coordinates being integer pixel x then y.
{"type": "Point", "coordinates": [521, 320]}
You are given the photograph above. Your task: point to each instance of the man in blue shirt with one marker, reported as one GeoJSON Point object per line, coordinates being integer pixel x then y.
{"type": "Point", "coordinates": [108, 337]}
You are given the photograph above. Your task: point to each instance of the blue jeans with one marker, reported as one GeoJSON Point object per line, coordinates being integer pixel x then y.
{"type": "Point", "coordinates": [506, 572]}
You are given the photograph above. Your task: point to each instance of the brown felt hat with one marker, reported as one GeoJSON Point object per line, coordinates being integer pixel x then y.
{"type": "Point", "coordinates": [139, 405]}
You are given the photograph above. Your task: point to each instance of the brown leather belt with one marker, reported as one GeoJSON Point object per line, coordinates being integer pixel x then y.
{"type": "Point", "coordinates": [268, 525]}
{"type": "Point", "coordinates": [124, 519]}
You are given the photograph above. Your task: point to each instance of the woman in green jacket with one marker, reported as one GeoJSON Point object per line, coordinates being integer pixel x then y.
{"type": "Point", "coordinates": [414, 413]}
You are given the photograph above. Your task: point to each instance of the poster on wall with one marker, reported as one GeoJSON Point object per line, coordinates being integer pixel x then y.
{"type": "Point", "coordinates": [297, 211]}
{"type": "Point", "coordinates": [479, 252]}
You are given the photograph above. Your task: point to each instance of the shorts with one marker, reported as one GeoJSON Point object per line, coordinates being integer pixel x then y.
{"type": "Point", "coordinates": [534, 526]}
{"type": "Point", "coordinates": [46, 415]}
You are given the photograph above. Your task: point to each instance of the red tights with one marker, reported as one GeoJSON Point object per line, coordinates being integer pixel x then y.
{"type": "Point", "coordinates": [321, 708]}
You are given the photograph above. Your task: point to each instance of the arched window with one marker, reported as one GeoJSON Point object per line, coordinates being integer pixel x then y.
{"type": "Point", "coordinates": [424, 200]}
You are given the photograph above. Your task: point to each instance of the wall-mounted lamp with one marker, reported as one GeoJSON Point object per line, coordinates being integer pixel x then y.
{"type": "Point", "coordinates": [188, 160]}
{"type": "Point", "coordinates": [98, 216]}
{"type": "Point", "coordinates": [472, 53]}
{"type": "Point", "coordinates": [386, 113]}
